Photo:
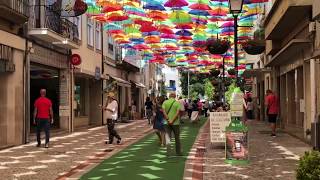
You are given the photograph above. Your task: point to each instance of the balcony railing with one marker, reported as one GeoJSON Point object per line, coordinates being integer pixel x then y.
{"type": "Point", "coordinates": [48, 18]}
{"type": "Point", "coordinates": [19, 6]}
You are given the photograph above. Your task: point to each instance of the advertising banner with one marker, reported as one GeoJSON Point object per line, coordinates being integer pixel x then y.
{"type": "Point", "coordinates": [218, 123]}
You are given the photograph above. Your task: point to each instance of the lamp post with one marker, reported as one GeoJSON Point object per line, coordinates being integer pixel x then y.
{"type": "Point", "coordinates": [235, 7]}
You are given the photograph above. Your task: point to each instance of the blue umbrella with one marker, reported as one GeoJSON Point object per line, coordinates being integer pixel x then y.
{"type": "Point", "coordinates": [154, 6]}
{"type": "Point", "coordinates": [184, 33]}
{"type": "Point", "coordinates": [151, 33]}
{"type": "Point", "coordinates": [199, 12]}
{"type": "Point", "coordinates": [137, 40]}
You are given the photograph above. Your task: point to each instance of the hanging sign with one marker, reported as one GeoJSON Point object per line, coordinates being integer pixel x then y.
{"type": "Point", "coordinates": [70, 8]}
{"type": "Point", "coordinates": [218, 123]}
{"type": "Point", "coordinates": [75, 59]}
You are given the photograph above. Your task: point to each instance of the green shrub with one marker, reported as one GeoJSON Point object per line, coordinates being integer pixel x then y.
{"type": "Point", "coordinates": [309, 166]}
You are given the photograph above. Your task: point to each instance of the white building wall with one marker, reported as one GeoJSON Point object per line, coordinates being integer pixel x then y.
{"type": "Point", "coordinates": [172, 74]}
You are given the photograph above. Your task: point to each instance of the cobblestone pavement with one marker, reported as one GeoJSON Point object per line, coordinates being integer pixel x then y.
{"type": "Point", "coordinates": [65, 152]}
{"type": "Point", "coordinates": [270, 158]}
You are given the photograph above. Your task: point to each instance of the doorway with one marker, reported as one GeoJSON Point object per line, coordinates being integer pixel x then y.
{"type": "Point", "coordinates": [43, 77]}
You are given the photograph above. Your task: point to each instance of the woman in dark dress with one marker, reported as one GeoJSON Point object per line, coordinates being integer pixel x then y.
{"type": "Point", "coordinates": [159, 120]}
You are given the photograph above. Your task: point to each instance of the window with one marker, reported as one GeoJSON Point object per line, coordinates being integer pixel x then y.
{"type": "Point", "coordinates": [90, 32]}
{"type": "Point", "coordinates": [98, 35]}
{"type": "Point", "coordinates": [77, 22]}
{"type": "Point", "coordinates": [110, 45]}
{"type": "Point", "coordinates": [172, 83]}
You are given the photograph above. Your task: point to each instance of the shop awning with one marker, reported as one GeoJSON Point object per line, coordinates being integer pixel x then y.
{"type": "Point", "coordinates": [139, 85]}
{"type": "Point", "coordinates": [121, 82]}
{"type": "Point", "coordinates": [255, 72]}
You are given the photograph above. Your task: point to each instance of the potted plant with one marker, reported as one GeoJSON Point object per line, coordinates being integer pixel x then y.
{"type": "Point", "coordinates": [253, 47]}
{"type": "Point", "coordinates": [232, 72]}
{"type": "Point", "coordinates": [309, 166]}
{"type": "Point", "coordinates": [125, 115]}
{"type": "Point", "coordinates": [257, 44]}
{"type": "Point", "coordinates": [215, 72]}
{"type": "Point", "coordinates": [217, 46]}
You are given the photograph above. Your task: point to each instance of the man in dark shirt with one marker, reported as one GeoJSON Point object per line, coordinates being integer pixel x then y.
{"type": "Point", "coordinates": [42, 116]}
{"type": "Point", "coordinates": [149, 107]}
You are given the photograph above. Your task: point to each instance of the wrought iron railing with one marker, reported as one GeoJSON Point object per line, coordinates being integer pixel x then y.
{"type": "Point", "coordinates": [20, 6]}
{"type": "Point", "coordinates": [6, 52]}
{"type": "Point", "coordinates": [48, 17]}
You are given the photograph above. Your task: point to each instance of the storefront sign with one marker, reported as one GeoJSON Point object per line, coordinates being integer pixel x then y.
{"type": "Point", "coordinates": [70, 8]}
{"type": "Point", "coordinates": [218, 123]}
{"type": "Point", "coordinates": [237, 146]}
{"type": "Point", "coordinates": [75, 59]}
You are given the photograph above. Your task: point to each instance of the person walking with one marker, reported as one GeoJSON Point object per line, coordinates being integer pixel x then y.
{"type": "Point", "coordinates": [171, 112]}
{"type": "Point", "coordinates": [189, 108]}
{"type": "Point", "coordinates": [43, 116]}
{"type": "Point", "coordinates": [149, 109]}
{"type": "Point", "coordinates": [112, 114]}
{"type": "Point", "coordinates": [249, 108]}
{"type": "Point", "coordinates": [272, 105]}
{"type": "Point", "coordinates": [206, 107]}
{"type": "Point", "coordinates": [158, 124]}
{"type": "Point", "coordinates": [195, 112]}
{"type": "Point", "coordinates": [182, 110]}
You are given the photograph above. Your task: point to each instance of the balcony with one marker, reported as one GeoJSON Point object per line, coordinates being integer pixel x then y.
{"type": "Point", "coordinates": [14, 11]}
{"type": "Point", "coordinates": [285, 16]}
{"type": "Point", "coordinates": [48, 26]}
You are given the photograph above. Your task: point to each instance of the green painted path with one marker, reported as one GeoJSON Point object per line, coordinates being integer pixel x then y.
{"type": "Point", "coordinates": [147, 160]}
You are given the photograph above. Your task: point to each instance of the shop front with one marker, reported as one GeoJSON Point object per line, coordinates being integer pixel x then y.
{"type": "Point", "coordinates": [50, 70]}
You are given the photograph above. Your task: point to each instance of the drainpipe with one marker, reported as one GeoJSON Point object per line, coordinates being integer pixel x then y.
{"type": "Point", "coordinates": [102, 72]}
{"type": "Point", "coordinates": [26, 87]}
{"type": "Point", "coordinates": [71, 128]}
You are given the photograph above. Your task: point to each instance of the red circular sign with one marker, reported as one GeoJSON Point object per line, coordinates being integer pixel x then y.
{"type": "Point", "coordinates": [75, 59]}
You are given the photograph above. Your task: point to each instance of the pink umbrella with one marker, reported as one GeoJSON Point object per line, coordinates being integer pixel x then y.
{"type": "Point", "coordinates": [199, 6]}
{"type": "Point", "coordinates": [141, 47]}
{"type": "Point", "coordinates": [168, 36]}
{"type": "Point", "coordinates": [227, 24]}
{"type": "Point", "coordinates": [176, 3]}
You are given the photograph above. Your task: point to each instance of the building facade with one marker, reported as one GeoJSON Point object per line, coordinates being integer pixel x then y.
{"type": "Point", "coordinates": [13, 46]}
{"type": "Point", "coordinates": [291, 33]}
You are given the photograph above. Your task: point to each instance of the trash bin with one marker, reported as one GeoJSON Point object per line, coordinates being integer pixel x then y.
{"type": "Point", "coordinates": [237, 149]}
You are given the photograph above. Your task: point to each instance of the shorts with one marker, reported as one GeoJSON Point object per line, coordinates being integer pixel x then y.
{"type": "Point", "coordinates": [272, 118]}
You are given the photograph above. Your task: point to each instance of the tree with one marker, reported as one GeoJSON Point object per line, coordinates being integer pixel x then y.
{"type": "Point", "coordinates": [196, 90]}
{"type": "Point", "coordinates": [209, 89]}
{"type": "Point", "coordinates": [163, 91]}
{"type": "Point", "coordinates": [194, 78]}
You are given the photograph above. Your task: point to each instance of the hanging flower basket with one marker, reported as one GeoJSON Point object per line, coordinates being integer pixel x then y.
{"type": "Point", "coordinates": [232, 72]}
{"type": "Point", "coordinates": [215, 72]}
{"type": "Point", "coordinates": [254, 47]}
{"type": "Point", "coordinates": [217, 46]}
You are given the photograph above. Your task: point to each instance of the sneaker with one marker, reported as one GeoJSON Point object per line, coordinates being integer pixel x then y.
{"type": "Point", "coordinates": [46, 145]}
{"type": "Point", "coordinates": [38, 145]}
{"type": "Point", "coordinates": [119, 141]}
{"type": "Point", "coordinates": [273, 135]}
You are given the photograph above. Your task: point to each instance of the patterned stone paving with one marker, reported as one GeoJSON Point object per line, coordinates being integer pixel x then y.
{"type": "Point", "coordinates": [66, 152]}
{"type": "Point", "coordinates": [270, 158]}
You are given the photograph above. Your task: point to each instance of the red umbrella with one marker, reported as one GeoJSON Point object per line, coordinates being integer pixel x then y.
{"type": "Point", "coordinates": [166, 30]}
{"type": "Point", "coordinates": [185, 38]}
{"type": "Point", "coordinates": [142, 22]}
{"type": "Point", "coordinates": [184, 26]}
{"type": "Point", "coordinates": [112, 7]}
{"type": "Point", "coordinates": [118, 18]}
{"type": "Point", "coordinates": [150, 28]}
{"type": "Point", "coordinates": [199, 6]}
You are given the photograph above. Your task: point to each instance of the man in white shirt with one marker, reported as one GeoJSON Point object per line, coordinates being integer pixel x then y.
{"type": "Point", "coordinates": [112, 115]}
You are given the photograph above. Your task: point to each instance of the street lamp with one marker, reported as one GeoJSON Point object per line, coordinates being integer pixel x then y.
{"type": "Point", "coordinates": [235, 7]}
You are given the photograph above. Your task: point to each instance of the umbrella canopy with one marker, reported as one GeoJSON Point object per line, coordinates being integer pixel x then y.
{"type": "Point", "coordinates": [176, 3]}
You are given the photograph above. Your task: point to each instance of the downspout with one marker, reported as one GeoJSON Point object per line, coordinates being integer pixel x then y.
{"type": "Point", "coordinates": [71, 128]}
{"type": "Point", "coordinates": [26, 88]}
{"type": "Point", "coordinates": [102, 73]}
